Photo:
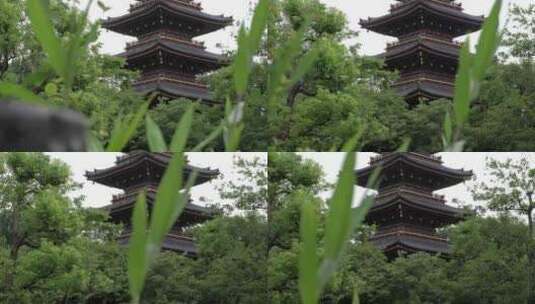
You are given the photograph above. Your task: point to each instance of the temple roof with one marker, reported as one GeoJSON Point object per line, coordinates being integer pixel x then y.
{"type": "Point", "coordinates": [165, 45]}
{"type": "Point", "coordinates": [192, 213]}
{"type": "Point", "coordinates": [425, 87]}
{"type": "Point", "coordinates": [400, 15]}
{"type": "Point", "coordinates": [171, 242]}
{"type": "Point", "coordinates": [424, 44]}
{"type": "Point", "coordinates": [420, 201]}
{"type": "Point", "coordinates": [173, 89]}
{"type": "Point", "coordinates": [418, 163]}
{"type": "Point", "coordinates": [132, 164]}
{"type": "Point", "coordinates": [153, 9]}
{"type": "Point", "coordinates": [411, 243]}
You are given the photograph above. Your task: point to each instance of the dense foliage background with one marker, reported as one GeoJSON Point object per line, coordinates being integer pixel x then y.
{"type": "Point", "coordinates": [490, 261]}
{"type": "Point", "coordinates": [344, 93]}
{"type": "Point", "coordinates": [52, 250]}
{"type": "Point", "coordinates": [347, 93]}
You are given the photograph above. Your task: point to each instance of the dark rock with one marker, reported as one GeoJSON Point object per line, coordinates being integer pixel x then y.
{"type": "Point", "coordinates": [31, 128]}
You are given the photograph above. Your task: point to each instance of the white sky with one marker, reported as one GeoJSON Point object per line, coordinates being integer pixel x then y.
{"type": "Point", "coordinates": [372, 44]}
{"type": "Point", "coordinates": [332, 162]}
{"type": "Point", "coordinates": [97, 195]}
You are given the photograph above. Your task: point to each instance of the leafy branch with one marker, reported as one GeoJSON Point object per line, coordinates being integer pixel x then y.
{"type": "Point", "coordinates": [472, 70]}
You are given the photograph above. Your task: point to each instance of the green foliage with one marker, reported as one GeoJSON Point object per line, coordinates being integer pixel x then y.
{"type": "Point", "coordinates": [54, 251]}
{"type": "Point", "coordinates": [472, 71]}
{"type": "Point", "coordinates": [519, 36]}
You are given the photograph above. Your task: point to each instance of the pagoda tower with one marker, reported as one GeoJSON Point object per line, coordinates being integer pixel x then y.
{"type": "Point", "coordinates": [142, 171]}
{"type": "Point", "coordinates": [165, 52]}
{"type": "Point", "coordinates": [406, 212]}
{"type": "Point", "coordinates": [426, 54]}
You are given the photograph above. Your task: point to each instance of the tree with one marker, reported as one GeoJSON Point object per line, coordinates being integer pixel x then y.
{"type": "Point", "coordinates": [250, 192]}
{"type": "Point", "coordinates": [56, 252]}
{"type": "Point", "coordinates": [520, 36]}
{"type": "Point", "coordinates": [27, 182]}
{"type": "Point", "coordinates": [10, 34]}
{"type": "Point", "coordinates": [511, 189]}
{"type": "Point", "coordinates": [490, 263]}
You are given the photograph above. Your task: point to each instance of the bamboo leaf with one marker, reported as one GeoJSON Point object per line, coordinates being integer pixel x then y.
{"type": "Point", "coordinates": [463, 85]}
{"type": "Point", "coordinates": [242, 63]}
{"type": "Point", "coordinates": [137, 258]}
{"type": "Point", "coordinates": [258, 25]}
{"type": "Point", "coordinates": [215, 134]}
{"type": "Point", "coordinates": [155, 136]}
{"type": "Point", "coordinates": [338, 222]}
{"type": "Point", "coordinates": [40, 19]}
{"type": "Point", "coordinates": [308, 256]}
{"type": "Point", "coordinates": [94, 144]}
{"type": "Point", "coordinates": [488, 41]}
{"type": "Point", "coordinates": [124, 130]}
{"type": "Point", "coordinates": [165, 203]}
{"type": "Point", "coordinates": [180, 138]}
{"type": "Point", "coordinates": [448, 130]}
{"type": "Point", "coordinates": [19, 92]}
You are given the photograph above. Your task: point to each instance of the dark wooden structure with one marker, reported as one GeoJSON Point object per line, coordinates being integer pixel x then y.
{"type": "Point", "coordinates": [165, 52]}
{"type": "Point", "coordinates": [142, 171]}
{"type": "Point", "coordinates": [426, 54]}
{"type": "Point", "coordinates": [406, 212]}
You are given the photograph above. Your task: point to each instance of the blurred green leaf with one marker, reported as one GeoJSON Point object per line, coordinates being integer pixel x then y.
{"type": "Point", "coordinates": [19, 92]}
{"type": "Point", "coordinates": [41, 21]}
{"type": "Point", "coordinates": [213, 136]}
{"type": "Point", "coordinates": [338, 223]}
{"type": "Point", "coordinates": [125, 128]}
{"type": "Point", "coordinates": [155, 136]}
{"type": "Point", "coordinates": [258, 25]}
{"type": "Point", "coordinates": [180, 138]}
{"type": "Point", "coordinates": [242, 63]}
{"type": "Point", "coordinates": [308, 256]}
{"type": "Point", "coordinates": [94, 144]}
{"type": "Point", "coordinates": [137, 255]}
{"type": "Point", "coordinates": [448, 129]}
{"type": "Point", "coordinates": [166, 201]}
{"type": "Point", "coordinates": [488, 42]}
{"type": "Point", "coordinates": [463, 84]}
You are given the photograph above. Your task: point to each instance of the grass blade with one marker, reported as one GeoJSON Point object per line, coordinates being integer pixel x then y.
{"type": "Point", "coordinates": [155, 136]}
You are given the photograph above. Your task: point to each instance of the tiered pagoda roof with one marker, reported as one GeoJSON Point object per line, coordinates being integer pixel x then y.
{"type": "Point", "coordinates": [426, 54]}
{"type": "Point", "coordinates": [406, 211]}
{"type": "Point", "coordinates": [165, 53]}
{"type": "Point", "coordinates": [142, 171]}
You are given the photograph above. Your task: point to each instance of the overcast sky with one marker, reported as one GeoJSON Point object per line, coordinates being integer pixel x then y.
{"type": "Point", "coordinates": [98, 195]}
{"type": "Point", "coordinates": [372, 44]}
{"type": "Point", "coordinates": [332, 162]}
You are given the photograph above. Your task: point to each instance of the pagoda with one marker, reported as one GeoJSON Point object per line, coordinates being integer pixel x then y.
{"type": "Point", "coordinates": [165, 52]}
{"type": "Point", "coordinates": [425, 54]}
{"type": "Point", "coordinates": [405, 211]}
{"type": "Point", "coordinates": [137, 172]}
